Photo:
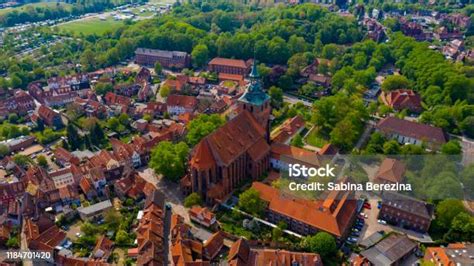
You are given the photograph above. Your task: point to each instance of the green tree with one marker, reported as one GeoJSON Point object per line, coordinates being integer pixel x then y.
{"type": "Point", "coordinates": [452, 147]}
{"type": "Point", "coordinates": [169, 159]}
{"type": "Point", "coordinates": [88, 60]}
{"type": "Point", "coordinates": [322, 243]}
{"type": "Point", "coordinates": [276, 96]}
{"type": "Point", "coordinates": [113, 123]}
{"type": "Point", "coordinates": [89, 229]}
{"type": "Point", "coordinates": [158, 68]}
{"type": "Point", "coordinates": [467, 126]}
{"type": "Point", "coordinates": [124, 119]}
{"type": "Point", "coordinates": [395, 82]}
{"type": "Point", "coordinates": [4, 150]}
{"type": "Point", "coordinates": [192, 199]}
{"type": "Point", "coordinates": [41, 160]}
{"type": "Point", "coordinates": [112, 219]}
{"type": "Point", "coordinates": [73, 138]}
{"type": "Point", "coordinates": [276, 234]}
{"type": "Point", "coordinates": [202, 126]}
{"type": "Point", "coordinates": [97, 135]}
{"type": "Point", "coordinates": [39, 125]}
{"type": "Point", "coordinates": [297, 141]}
{"type": "Point", "coordinates": [13, 118]}
{"type": "Point", "coordinates": [122, 238]}
{"type": "Point", "coordinates": [200, 55]}
{"type": "Point", "coordinates": [165, 91]}
{"type": "Point", "coordinates": [250, 202]}
{"type": "Point", "coordinates": [103, 87]}
{"type": "Point", "coordinates": [148, 117]}
{"type": "Point", "coordinates": [13, 242]}
{"type": "Point", "coordinates": [462, 229]}
{"type": "Point", "coordinates": [446, 210]}
{"type": "Point", "coordinates": [22, 160]}
{"type": "Point", "coordinates": [391, 147]}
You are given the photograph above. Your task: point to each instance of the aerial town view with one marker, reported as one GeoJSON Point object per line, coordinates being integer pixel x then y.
{"type": "Point", "coordinates": [237, 132]}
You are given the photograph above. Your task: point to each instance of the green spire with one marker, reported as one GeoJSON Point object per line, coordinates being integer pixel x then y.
{"type": "Point", "coordinates": [255, 94]}
{"type": "Point", "coordinates": [254, 73]}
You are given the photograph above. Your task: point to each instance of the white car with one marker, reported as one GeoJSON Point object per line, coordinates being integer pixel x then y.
{"type": "Point", "coordinates": [78, 234]}
{"type": "Point", "coordinates": [382, 222]}
{"type": "Point", "coordinates": [364, 215]}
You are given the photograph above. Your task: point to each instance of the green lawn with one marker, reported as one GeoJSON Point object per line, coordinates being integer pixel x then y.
{"type": "Point", "coordinates": [33, 5]}
{"type": "Point", "coordinates": [91, 26]}
{"type": "Point", "coordinates": [314, 139]}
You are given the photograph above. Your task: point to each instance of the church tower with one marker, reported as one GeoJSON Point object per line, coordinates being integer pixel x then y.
{"type": "Point", "coordinates": [256, 101]}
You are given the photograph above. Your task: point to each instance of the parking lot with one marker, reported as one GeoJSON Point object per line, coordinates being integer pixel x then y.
{"type": "Point", "coordinates": [371, 225]}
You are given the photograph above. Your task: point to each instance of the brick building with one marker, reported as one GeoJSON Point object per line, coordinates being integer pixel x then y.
{"type": "Point", "coordinates": [48, 116]}
{"type": "Point", "coordinates": [406, 212]}
{"type": "Point", "coordinates": [167, 59]}
{"type": "Point", "coordinates": [236, 151]}
{"type": "Point", "coordinates": [333, 215]}
{"type": "Point", "coordinates": [229, 66]}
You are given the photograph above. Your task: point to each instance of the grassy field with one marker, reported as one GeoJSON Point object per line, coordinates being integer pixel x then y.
{"type": "Point", "coordinates": [91, 26]}
{"type": "Point", "coordinates": [33, 5]}
{"type": "Point", "coordinates": [314, 139]}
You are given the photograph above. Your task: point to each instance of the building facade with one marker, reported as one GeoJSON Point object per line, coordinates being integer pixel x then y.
{"type": "Point", "coordinates": [228, 66]}
{"type": "Point", "coordinates": [167, 59]}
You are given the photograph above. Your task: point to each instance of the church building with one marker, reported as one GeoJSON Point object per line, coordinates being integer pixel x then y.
{"type": "Point", "coordinates": [237, 151]}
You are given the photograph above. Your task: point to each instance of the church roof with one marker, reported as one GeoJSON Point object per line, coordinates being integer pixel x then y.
{"type": "Point", "coordinates": [228, 142]}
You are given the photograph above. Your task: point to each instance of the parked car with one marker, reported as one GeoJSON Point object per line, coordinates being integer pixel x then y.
{"type": "Point", "coordinates": [353, 239]}
{"type": "Point", "coordinates": [380, 221]}
{"type": "Point", "coordinates": [367, 205]}
{"type": "Point", "coordinates": [364, 215]}
{"type": "Point", "coordinates": [354, 234]}
{"type": "Point", "coordinates": [359, 227]}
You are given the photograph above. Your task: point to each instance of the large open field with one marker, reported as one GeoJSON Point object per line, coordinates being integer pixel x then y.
{"type": "Point", "coordinates": [33, 5]}
{"type": "Point", "coordinates": [91, 25]}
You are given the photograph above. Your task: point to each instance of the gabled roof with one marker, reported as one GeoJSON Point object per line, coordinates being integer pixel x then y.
{"type": "Point", "coordinates": [288, 129]}
{"type": "Point", "coordinates": [390, 250]}
{"type": "Point", "coordinates": [332, 215]}
{"type": "Point", "coordinates": [403, 99]}
{"type": "Point", "coordinates": [213, 245]}
{"type": "Point", "coordinates": [239, 252]}
{"type": "Point", "coordinates": [229, 141]}
{"type": "Point", "coordinates": [46, 113]}
{"type": "Point", "coordinates": [391, 170]}
{"type": "Point", "coordinates": [182, 100]}
{"type": "Point", "coordinates": [412, 129]}
{"type": "Point", "coordinates": [228, 62]}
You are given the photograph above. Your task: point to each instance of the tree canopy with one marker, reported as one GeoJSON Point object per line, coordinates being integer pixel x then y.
{"type": "Point", "coordinates": [169, 159]}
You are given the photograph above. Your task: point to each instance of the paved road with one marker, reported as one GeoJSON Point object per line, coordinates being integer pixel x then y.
{"type": "Point", "coordinates": [293, 100]}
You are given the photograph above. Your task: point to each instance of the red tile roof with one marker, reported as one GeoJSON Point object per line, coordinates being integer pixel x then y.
{"type": "Point", "coordinates": [402, 99]}
{"type": "Point", "coordinates": [64, 155]}
{"type": "Point", "coordinates": [332, 215]}
{"type": "Point", "coordinates": [288, 129]}
{"type": "Point", "coordinates": [228, 62]}
{"type": "Point", "coordinates": [412, 129]}
{"type": "Point", "coordinates": [201, 214]}
{"type": "Point", "coordinates": [182, 100]}
{"type": "Point", "coordinates": [213, 245]}
{"type": "Point", "coordinates": [391, 170]}
{"type": "Point", "coordinates": [231, 140]}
